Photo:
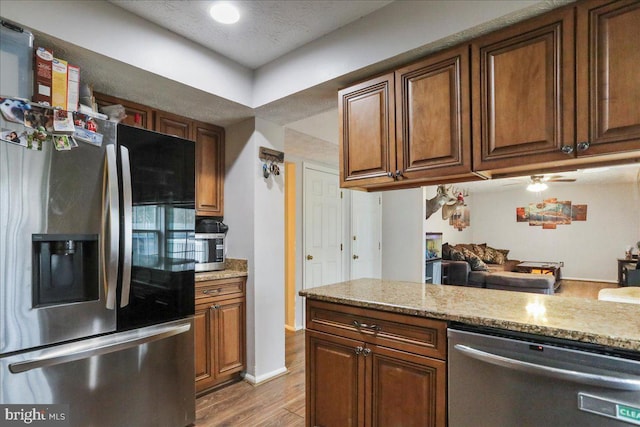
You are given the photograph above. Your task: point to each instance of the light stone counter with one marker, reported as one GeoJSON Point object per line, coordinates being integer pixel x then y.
{"type": "Point", "coordinates": [233, 268]}
{"type": "Point", "coordinates": [580, 319]}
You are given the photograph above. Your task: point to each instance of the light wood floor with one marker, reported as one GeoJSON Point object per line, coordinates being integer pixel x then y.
{"type": "Point", "coordinates": [279, 402]}
{"type": "Point", "coordinates": [582, 289]}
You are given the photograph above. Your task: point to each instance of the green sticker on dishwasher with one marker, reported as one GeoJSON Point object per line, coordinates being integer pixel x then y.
{"type": "Point", "coordinates": [628, 413]}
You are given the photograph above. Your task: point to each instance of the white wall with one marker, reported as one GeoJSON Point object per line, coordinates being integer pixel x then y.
{"type": "Point", "coordinates": [113, 32]}
{"type": "Point", "coordinates": [390, 31]}
{"type": "Point", "coordinates": [402, 235]}
{"type": "Point", "coordinates": [588, 249]}
{"type": "Point", "coordinates": [254, 211]}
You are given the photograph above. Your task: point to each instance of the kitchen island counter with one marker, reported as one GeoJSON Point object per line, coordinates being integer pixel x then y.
{"type": "Point", "coordinates": [615, 325]}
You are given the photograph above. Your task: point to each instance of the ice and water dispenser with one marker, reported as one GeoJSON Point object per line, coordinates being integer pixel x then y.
{"type": "Point", "coordinates": [65, 268]}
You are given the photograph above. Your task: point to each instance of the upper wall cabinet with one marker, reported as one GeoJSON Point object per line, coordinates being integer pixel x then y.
{"type": "Point", "coordinates": [367, 133]}
{"type": "Point", "coordinates": [209, 169]}
{"type": "Point", "coordinates": [523, 86]}
{"type": "Point", "coordinates": [137, 114]}
{"type": "Point", "coordinates": [409, 127]}
{"type": "Point", "coordinates": [433, 127]}
{"type": "Point", "coordinates": [608, 77]}
{"type": "Point", "coordinates": [172, 124]}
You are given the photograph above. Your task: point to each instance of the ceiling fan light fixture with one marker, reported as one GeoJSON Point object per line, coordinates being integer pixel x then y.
{"type": "Point", "coordinates": [224, 12]}
{"type": "Point", "coordinates": [537, 187]}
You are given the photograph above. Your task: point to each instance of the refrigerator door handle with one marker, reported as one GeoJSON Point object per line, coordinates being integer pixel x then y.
{"type": "Point", "coordinates": [582, 377]}
{"type": "Point", "coordinates": [110, 227]}
{"type": "Point", "coordinates": [110, 345]}
{"type": "Point", "coordinates": [128, 226]}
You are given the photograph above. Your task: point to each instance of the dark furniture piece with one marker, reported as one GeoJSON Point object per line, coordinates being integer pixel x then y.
{"type": "Point", "coordinates": [625, 264]}
{"type": "Point", "coordinates": [551, 268]}
{"type": "Point", "coordinates": [459, 273]}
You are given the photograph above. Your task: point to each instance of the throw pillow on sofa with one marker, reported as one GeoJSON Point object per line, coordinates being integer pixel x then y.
{"type": "Point", "coordinates": [478, 250]}
{"type": "Point", "coordinates": [494, 256]}
{"type": "Point", "coordinates": [474, 261]}
{"type": "Point", "coordinates": [456, 255]}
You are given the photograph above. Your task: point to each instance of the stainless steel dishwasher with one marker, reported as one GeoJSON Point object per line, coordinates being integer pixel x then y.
{"type": "Point", "coordinates": [503, 379]}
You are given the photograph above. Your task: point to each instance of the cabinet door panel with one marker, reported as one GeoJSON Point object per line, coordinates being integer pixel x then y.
{"type": "Point", "coordinates": [367, 132]}
{"type": "Point", "coordinates": [406, 390]}
{"type": "Point", "coordinates": [203, 347]}
{"type": "Point", "coordinates": [230, 348]}
{"type": "Point", "coordinates": [335, 381]}
{"type": "Point", "coordinates": [523, 85]}
{"type": "Point", "coordinates": [209, 170]}
{"type": "Point", "coordinates": [433, 129]}
{"type": "Point", "coordinates": [137, 114]}
{"type": "Point", "coordinates": [173, 125]}
{"type": "Point", "coordinates": [608, 77]}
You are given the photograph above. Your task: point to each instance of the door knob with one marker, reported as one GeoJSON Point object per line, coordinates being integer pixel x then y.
{"type": "Point", "coordinates": [309, 257]}
{"type": "Point", "coordinates": [356, 257]}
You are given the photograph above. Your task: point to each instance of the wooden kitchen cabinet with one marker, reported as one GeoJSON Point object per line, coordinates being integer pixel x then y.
{"type": "Point", "coordinates": [209, 169]}
{"type": "Point", "coordinates": [523, 93]}
{"type": "Point", "coordinates": [608, 78]}
{"type": "Point", "coordinates": [209, 159]}
{"type": "Point", "coordinates": [433, 124]}
{"type": "Point", "coordinates": [138, 115]}
{"type": "Point", "coordinates": [410, 126]}
{"type": "Point", "coordinates": [367, 133]}
{"type": "Point", "coordinates": [175, 125]}
{"type": "Point", "coordinates": [371, 368]}
{"type": "Point", "coordinates": [220, 331]}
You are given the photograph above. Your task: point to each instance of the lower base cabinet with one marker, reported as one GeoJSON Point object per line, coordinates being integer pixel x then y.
{"type": "Point", "coordinates": [358, 382]}
{"type": "Point", "coordinates": [220, 332]}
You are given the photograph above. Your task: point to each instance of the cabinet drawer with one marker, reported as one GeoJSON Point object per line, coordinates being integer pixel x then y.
{"type": "Point", "coordinates": [223, 287]}
{"type": "Point", "coordinates": [409, 333]}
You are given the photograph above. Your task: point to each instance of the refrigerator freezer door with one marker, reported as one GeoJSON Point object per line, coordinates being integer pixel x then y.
{"type": "Point", "coordinates": [141, 378]}
{"type": "Point", "coordinates": [51, 205]}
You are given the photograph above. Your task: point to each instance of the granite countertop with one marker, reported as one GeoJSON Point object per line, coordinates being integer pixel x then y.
{"type": "Point", "coordinates": [600, 322]}
{"type": "Point", "coordinates": [232, 268]}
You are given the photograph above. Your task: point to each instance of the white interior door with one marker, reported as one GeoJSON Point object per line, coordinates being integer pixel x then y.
{"type": "Point", "coordinates": [322, 226]}
{"type": "Point", "coordinates": [366, 235]}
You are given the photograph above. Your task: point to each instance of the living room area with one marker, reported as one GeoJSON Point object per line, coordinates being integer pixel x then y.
{"type": "Point", "coordinates": [578, 230]}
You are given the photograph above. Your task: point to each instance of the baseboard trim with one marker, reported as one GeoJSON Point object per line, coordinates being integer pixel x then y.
{"type": "Point", "coordinates": [265, 377]}
{"type": "Point", "coordinates": [582, 279]}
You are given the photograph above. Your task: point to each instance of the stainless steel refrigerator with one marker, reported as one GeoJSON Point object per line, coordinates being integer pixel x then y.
{"type": "Point", "coordinates": [97, 278]}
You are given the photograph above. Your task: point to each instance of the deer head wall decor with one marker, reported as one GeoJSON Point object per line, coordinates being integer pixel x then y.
{"type": "Point", "coordinates": [445, 196]}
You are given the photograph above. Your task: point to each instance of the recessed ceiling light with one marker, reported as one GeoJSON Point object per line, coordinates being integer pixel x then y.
{"type": "Point", "coordinates": [224, 12]}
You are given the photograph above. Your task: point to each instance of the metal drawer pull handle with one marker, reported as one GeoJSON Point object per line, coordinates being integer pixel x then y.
{"type": "Point", "coordinates": [214, 307]}
{"type": "Point", "coordinates": [212, 291]}
{"type": "Point", "coordinates": [358, 350]}
{"type": "Point", "coordinates": [366, 326]}
{"type": "Point", "coordinates": [366, 352]}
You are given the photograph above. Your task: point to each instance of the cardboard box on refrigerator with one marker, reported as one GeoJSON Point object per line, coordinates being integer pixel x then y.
{"type": "Point", "coordinates": [59, 83]}
{"type": "Point", "coordinates": [73, 87]}
{"type": "Point", "coordinates": [42, 75]}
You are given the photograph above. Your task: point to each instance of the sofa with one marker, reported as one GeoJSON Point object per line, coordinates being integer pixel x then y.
{"type": "Point", "coordinates": [477, 265]}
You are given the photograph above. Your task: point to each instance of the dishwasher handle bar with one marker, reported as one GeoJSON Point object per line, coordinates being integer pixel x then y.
{"type": "Point", "coordinates": [587, 378]}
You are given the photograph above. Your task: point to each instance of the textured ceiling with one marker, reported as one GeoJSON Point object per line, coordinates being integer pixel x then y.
{"type": "Point", "coordinates": [266, 30]}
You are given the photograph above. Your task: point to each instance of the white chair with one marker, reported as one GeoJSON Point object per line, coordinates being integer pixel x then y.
{"type": "Point", "coordinates": [629, 295]}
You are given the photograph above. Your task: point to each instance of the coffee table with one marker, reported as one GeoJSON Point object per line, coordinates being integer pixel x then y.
{"type": "Point", "coordinates": [552, 268]}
